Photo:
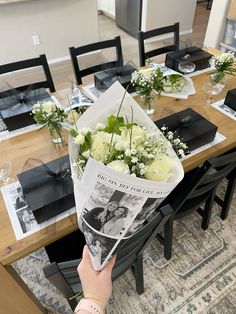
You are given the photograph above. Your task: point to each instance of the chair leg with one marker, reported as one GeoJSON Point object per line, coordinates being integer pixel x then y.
{"type": "Point", "coordinates": [168, 235]}
{"type": "Point", "coordinates": [138, 274]}
{"type": "Point", "coordinates": [207, 211]}
{"type": "Point", "coordinates": [228, 198]}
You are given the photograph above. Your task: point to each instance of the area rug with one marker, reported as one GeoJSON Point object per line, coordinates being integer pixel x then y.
{"type": "Point", "coordinates": [200, 277]}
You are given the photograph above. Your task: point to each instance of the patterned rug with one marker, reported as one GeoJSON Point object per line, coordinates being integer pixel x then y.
{"type": "Point", "coordinates": [200, 277]}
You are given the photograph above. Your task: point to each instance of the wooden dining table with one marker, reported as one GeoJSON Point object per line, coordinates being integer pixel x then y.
{"type": "Point", "coordinates": [14, 294]}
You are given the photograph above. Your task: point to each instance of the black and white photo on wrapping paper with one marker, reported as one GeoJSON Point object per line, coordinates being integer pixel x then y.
{"type": "Point", "coordinates": [23, 212]}
{"type": "Point", "coordinates": [99, 246]}
{"type": "Point", "coordinates": [111, 211]}
{"type": "Point", "coordinates": [26, 219]}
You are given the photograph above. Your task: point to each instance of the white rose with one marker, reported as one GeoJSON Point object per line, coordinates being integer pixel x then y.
{"type": "Point", "coordinates": [100, 145]}
{"type": "Point", "coordinates": [79, 140]}
{"type": "Point", "coordinates": [36, 107]}
{"type": "Point", "coordinates": [160, 168]}
{"type": "Point", "coordinates": [48, 107]}
{"type": "Point", "coordinates": [120, 166]}
{"type": "Point", "coordinates": [138, 135]}
{"type": "Point", "coordinates": [122, 145]}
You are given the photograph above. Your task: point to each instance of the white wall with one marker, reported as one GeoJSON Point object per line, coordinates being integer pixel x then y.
{"type": "Point", "coordinates": [158, 13]}
{"type": "Point", "coordinates": [59, 23]}
{"type": "Point", "coordinates": [217, 23]}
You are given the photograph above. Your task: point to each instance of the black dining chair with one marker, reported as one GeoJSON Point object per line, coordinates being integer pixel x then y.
{"type": "Point", "coordinates": [224, 201]}
{"type": "Point", "coordinates": [40, 61]}
{"type": "Point", "coordinates": [196, 193]}
{"type": "Point", "coordinates": [142, 36]}
{"type": "Point", "coordinates": [76, 52]}
{"type": "Point", "coordinates": [64, 275]}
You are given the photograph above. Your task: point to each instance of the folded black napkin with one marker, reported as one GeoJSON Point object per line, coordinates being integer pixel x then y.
{"type": "Point", "coordinates": [193, 128]}
{"type": "Point", "coordinates": [104, 79]}
{"type": "Point", "coordinates": [16, 107]}
{"type": "Point", "coordinates": [47, 188]}
{"type": "Point", "coordinates": [230, 99]}
{"type": "Point", "coordinates": [193, 54]}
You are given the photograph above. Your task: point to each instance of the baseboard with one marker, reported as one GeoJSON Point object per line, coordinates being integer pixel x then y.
{"type": "Point", "coordinates": [65, 58]}
{"type": "Point", "coordinates": [110, 15]}
{"type": "Point", "coordinates": [56, 60]}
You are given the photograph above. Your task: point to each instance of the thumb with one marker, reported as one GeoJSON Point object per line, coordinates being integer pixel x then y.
{"type": "Point", "coordinates": [86, 257]}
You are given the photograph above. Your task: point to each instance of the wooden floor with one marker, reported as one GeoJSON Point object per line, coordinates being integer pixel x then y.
{"type": "Point", "coordinates": [62, 72]}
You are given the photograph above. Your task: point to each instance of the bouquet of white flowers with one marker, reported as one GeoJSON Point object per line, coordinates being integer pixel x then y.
{"type": "Point", "coordinates": [223, 64]}
{"type": "Point", "coordinates": [145, 81]}
{"type": "Point", "coordinates": [50, 115]}
{"type": "Point", "coordinates": [125, 147]}
{"type": "Point", "coordinates": [122, 166]}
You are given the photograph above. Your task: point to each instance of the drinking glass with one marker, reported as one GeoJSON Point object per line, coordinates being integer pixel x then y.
{"type": "Point", "coordinates": [186, 67]}
{"type": "Point", "coordinates": [5, 171]}
{"type": "Point", "coordinates": [211, 89]}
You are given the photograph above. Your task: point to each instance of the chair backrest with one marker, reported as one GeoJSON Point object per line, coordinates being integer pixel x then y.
{"type": "Point", "coordinates": [26, 64]}
{"type": "Point", "coordinates": [142, 36]}
{"type": "Point", "coordinates": [202, 183]}
{"type": "Point", "coordinates": [75, 52]}
{"type": "Point", "coordinates": [65, 277]}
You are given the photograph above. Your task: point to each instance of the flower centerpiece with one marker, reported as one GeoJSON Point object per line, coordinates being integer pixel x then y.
{"type": "Point", "coordinates": [50, 115]}
{"type": "Point", "coordinates": [145, 80]}
{"type": "Point", "coordinates": [223, 64]}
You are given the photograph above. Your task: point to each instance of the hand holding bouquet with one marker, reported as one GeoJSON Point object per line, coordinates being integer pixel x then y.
{"type": "Point", "coordinates": [122, 167]}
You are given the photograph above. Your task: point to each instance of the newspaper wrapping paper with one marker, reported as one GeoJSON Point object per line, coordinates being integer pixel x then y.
{"type": "Point", "coordinates": [101, 187]}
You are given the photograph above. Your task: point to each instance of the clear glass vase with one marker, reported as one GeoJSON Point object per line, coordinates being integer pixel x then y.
{"type": "Point", "coordinates": [218, 79]}
{"type": "Point", "coordinates": [56, 133]}
{"type": "Point", "coordinates": [147, 103]}
{"type": "Point", "coordinates": [215, 85]}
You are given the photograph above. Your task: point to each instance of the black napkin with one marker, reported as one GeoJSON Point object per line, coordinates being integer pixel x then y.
{"type": "Point", "coordinates": [47, 188]}
{"type": "Point", "coordinates": [230, 99]}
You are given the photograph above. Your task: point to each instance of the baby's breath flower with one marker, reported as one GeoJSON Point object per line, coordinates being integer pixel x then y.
{"type": "Point", "coordinates": [179, 147]}
{"type": "Point", "coordinates": [134, 160]}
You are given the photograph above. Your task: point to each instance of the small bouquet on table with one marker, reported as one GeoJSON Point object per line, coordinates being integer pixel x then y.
{"type": "Point", "coordinates": [122, 167]}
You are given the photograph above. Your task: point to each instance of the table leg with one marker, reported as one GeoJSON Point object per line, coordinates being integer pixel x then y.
{"type": "Point", "coordinates": [15, 296]}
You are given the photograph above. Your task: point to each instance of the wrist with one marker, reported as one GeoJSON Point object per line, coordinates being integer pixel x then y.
{"type": "Point", "coordinates": [89, 305]}
{"type": "Point", "coordinates": [94, 298]}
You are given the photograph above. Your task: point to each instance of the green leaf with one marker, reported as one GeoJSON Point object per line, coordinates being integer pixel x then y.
{"type": "Point", "coordinates": [87, 142]}
{"type": "Point", "coordinates": [73, 132]}
{"type": "Point", "coordinates": [114, 124]}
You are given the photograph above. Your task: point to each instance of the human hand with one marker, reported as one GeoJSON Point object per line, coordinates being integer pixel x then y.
{"type": "Point", "coordinates": [97, 286]}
